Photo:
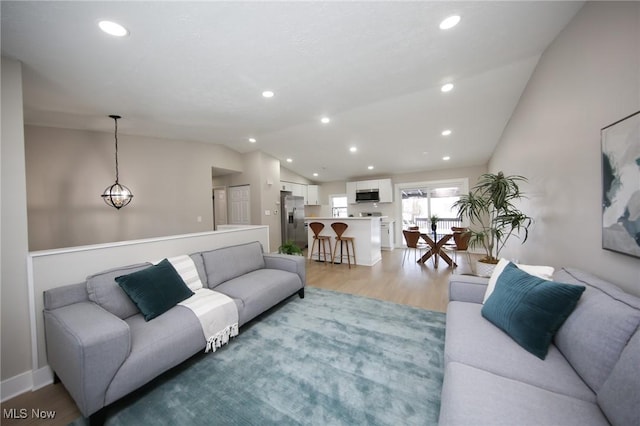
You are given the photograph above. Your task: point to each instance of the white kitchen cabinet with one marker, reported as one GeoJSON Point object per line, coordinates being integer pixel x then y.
{"type": "Point", "coordinates": [385, 190]}
{"type": "Point", "coordinates": [351, 192]}
{"type": "Point", "coordinates": [387, 235]}
{"type": "Point", "coordinates": [384, 187]}
{"type": "Point", "coordinates": [312, 195]}
{"type": "Point", "coordinates": [366, 185]}
{"type": "Point", "coordinates": [300, 190]}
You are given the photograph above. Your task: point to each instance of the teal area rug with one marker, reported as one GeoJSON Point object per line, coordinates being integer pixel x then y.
{"type": "Point", "coordinates": [327, 359]}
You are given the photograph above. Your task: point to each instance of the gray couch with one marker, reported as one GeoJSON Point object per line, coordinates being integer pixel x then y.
{"type": "Point", "coordinates": [591, 375]}
{"type": "Point", "coordinates": [101, 348]}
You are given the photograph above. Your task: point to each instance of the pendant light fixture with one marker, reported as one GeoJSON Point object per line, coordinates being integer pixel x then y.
{"type": "Point", "coordinates": [117, 195]}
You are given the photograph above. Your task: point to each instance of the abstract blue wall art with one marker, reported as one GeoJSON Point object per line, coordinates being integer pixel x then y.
{"type": "Point", "coordinates": [621, 186]}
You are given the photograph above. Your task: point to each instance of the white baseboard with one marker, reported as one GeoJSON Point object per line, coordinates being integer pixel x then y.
{"type": "Point", "coordinates": [42, 377]}
{"type": "Point", "coordinates": [25, 382]}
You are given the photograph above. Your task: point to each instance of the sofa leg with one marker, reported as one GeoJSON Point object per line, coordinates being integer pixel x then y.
{"type": "Point", "coordinates": [56, 379]}
{"type": "Point", "coordinates": [98, 418]}
{"type": "Point", "coordinates": [301, 293]}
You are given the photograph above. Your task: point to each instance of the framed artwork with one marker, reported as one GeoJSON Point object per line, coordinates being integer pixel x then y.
{"type": "Point", "coordinates": [621, 186]}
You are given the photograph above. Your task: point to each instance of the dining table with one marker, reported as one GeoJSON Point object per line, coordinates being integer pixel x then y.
{"type": "Point", "coordinates": [436, 244]}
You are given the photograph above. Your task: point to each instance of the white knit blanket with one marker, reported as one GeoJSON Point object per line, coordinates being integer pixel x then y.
{"type": "Point", "coordinates": [217, 313]}
{"type": "Point", "coordinates": [218, 316]}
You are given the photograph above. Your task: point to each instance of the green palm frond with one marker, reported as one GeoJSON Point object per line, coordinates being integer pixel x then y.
{"type": "Point", "coordinates": [490, 208]}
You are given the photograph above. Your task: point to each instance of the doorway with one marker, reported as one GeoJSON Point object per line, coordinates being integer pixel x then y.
{"type": "Point", "coordinates": [219, 207]}
{"type": "Point", "coordinates": [421, 200]}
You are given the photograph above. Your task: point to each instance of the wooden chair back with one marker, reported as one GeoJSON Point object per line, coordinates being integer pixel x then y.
{"type": "Point", "coordinates": [411, 237]}
{"type": "Point", "coordinates": [339, 228]}
{"type": "Point", "coordinates": [461, 238]}
{"type": "Point", "coordinates": [316, 227]}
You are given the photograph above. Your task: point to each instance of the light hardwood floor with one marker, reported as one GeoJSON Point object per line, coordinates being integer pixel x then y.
{"type": "Point", "coordinates": [411, 284]}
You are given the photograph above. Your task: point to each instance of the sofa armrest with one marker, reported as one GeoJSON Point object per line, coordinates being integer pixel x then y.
{"type": "Point", "coordinates": [467, 288]}
{"type": "Point", "coordinates": [287, 262]}
{"type": "Point", "coordinates": [86, 345]}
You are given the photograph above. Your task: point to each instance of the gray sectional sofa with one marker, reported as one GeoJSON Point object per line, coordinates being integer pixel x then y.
{"type": "Point", "coordinates": [590, 376]}
{"type": "Point", "coordinates": [101, 348]}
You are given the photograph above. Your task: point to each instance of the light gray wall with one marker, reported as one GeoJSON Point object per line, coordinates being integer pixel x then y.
{"type": "Point", "coordinates": [67, 171]}
{"type": "Point", "coordinates": [287, 175]}
{"type": "Point", "coordinates": [16, 343]}
{"type": "Point", "coordinates": [587, 78]}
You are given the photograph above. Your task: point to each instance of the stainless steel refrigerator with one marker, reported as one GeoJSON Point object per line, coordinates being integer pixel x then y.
{"type": "Point", "coordinates": [292, 219]}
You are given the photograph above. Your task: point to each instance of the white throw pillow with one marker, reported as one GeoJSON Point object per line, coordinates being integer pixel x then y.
{"type": "Point", "coordinates": [544, 272]}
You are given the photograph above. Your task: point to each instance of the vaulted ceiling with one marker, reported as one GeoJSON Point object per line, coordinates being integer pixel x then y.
{"type": "Point", "coordinates": [197, 70]}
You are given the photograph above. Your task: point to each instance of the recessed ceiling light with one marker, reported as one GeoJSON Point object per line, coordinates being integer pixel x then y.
{"type": "Point", "coordinates": [353, 149]}
{"type": "Point", "coordinates": [447, 87]}
{"type": "Point", "coordinates": [289, 160]}
{"type": "Point", "coordinates": [325, 120]}
{"type": "Point", "coordinates": [446, 158]}
{"type": "Point", "coordinates": [113, 28]}
{"type": "Point", "coordinates": [370, 167]}
{"type": "Point", "coordinates": [446, 132]}
{"type": "Point", "coordinates": [449, 22]}
{"type": "Point", "coordinates": [268, 94]}
{"type": "Point", "coordinates": [252, 140]}
{"type": "Point", "coordinates": [315, 175]}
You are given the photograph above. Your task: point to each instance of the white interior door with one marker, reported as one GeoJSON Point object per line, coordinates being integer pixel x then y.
{"type": "Point", "coordinates": [239, 205]}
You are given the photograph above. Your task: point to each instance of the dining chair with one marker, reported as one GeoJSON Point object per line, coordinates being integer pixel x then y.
{"type": "Point", "coordinates": [461, 238]}
{"type": "Point", "coordinates": [412, 239]}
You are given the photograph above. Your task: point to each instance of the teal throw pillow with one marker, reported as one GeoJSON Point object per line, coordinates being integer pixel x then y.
{"type": "Point", "coordinates": [530, 309]}
{"type": "Point", "coordinates": [155, 289]}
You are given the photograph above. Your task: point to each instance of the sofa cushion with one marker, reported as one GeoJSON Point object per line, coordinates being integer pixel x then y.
{"type": "Point", "coordinates": [260, 290]}
{"type": "Point", "coordinates": [155, 289]}
{"type": "Point", "coordinates": [202, 273]}
{"type": "Point", "coordinates": [156, 346]}
{"type": "Point", "coordinates": [226, 263]}
{"type": "Point", "coordinates": [105, 291]}
{"type": "Point", "coordinates": [472, 396]}
{"type": "Point", "coordinates": [530, 309]}
{"type": "Point", "coordinates": [619, 395]}
{"type": "Point", "coordinates": [473, 340]}
{"type": "Point", "coordinates": [593, 336]}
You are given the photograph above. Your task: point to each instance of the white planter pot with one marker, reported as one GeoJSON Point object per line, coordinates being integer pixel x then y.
{"type": "Point", "coordinates": [484, 269]}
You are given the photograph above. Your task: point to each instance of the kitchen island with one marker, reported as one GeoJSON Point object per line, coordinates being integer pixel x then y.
{"type": "Point", "coordinates": [365, 230]}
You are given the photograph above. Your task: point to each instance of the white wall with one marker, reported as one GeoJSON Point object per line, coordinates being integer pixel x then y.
{"type": "Point", "coordinates": [13, 227]}
{"type": "Point", "coordinates": [67, 171]}
{"type": "Point", "coordinates": [587, 78]}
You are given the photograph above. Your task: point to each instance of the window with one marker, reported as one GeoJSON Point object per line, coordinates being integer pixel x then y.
{"type": "Point", "coordinates": [338, 205]}
{"type": "Point", "coordinates": [428, 199]}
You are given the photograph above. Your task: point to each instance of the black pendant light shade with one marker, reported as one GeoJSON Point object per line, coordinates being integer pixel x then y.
{"type": "Point", "coordinates": [117, 195]}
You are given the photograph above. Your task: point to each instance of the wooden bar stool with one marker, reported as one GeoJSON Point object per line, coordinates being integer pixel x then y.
{"type": "Point", "coordinates": [317, 227]}
{"type": "Point", "coordinates": [339, 228]}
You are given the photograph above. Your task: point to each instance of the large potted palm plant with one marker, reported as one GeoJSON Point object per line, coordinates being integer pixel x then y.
{"type": "Point", "coordinates": [494, 217]}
